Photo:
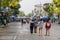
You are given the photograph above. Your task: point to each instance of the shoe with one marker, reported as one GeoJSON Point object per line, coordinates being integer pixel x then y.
{"type": "Point", "coordinates": [45, 35]}
{"type": "Point", "coordinates": [31, 33]}
{"type": "Point", "coordinates": [39, 35]}
{"type": "Point", "coordinates": [35, 32]}
{"type": "Point", "coordinates": [48, 35]}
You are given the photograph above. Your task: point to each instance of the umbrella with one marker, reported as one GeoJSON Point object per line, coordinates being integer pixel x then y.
{"type": "Point", "coordinates": [45, 18]}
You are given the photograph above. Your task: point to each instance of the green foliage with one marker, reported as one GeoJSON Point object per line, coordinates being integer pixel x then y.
{"type": "Point", "coordinates": [12, 4]}
{"type": "Point", "coordinates": [22, 13]}
{"type": "Point", "coordinates": [57, 8]}
{"type": "Point", "coordinates": [7, 3]}
{"type": "Point", "coordinates": [57, 2]}
{"type": "Point", "coordinates": [49, 8]}
{"type": "Point", "coordinates": [16, 7]}
{"type": "Point", "coordinates": [29, 15]}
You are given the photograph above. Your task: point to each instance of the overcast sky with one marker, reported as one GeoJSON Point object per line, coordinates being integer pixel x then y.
{"type": "Point", "coordinates": [28, 5]}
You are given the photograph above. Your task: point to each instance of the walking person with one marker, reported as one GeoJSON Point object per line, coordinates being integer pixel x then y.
{"type": "Point", "coordinates": [40, 27]}
{"type": "Point", "coordinates": [35, 18]}
{"type": "Point", "coordinates": [0, 19]}
{"type": "Point", "coordinates": [31, 26]}
{"type": "Point", "coordinates": [22, 22]}
{"type": "Point", "coordinates": [4, 21]}
{"type": "Point", "coordinates": [35, 25]}
{"type": "Point", "coordinates": [48, 26]}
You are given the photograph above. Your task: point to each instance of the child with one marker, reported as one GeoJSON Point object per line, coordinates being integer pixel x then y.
{"type": "Point", "coordinates": [40, 27]}
{"type": "Point", "coordinates": [48, 26]}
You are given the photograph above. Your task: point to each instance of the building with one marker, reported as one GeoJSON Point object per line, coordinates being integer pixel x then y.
{"type": "Point", "coordinates": [38, 10]}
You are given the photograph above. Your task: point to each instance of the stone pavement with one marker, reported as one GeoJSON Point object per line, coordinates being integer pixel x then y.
{"type": "Point", "coordinates": [14, 31]}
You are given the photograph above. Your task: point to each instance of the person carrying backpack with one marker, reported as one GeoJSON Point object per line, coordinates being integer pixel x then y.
{"type": "Point", "coordinates": [48, 26]}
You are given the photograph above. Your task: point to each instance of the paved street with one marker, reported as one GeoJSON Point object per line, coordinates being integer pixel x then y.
{"type": "Point", "coordinates": [14, 31]}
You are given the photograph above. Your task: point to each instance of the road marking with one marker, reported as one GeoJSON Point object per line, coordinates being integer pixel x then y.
{"type": "Point", "coordinates": [44, 37]}
{"type": "Point", "coordinates": [15, 37]}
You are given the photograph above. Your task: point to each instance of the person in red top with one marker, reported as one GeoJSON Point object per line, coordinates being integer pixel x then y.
{"type": "Point", "coordinates": [48, 26]}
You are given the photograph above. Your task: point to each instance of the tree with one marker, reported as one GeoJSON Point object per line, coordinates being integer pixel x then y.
{"type": "Point", "coordinates": [12, 4]}
{"type": "Point", "coordinates": [57, 4]}
{"type": "Point", "coordinates": [29, 15]}
{"type": "Point", "coordinates": [48, 7]}
{"type": "Point", "coordinates": [15, 6]}
{"type": "Point", "coordinates": [57, 9]}
{"type": "Point", "coordinates": [7, 3]}
{"type": "Point", "coordinates": [22, 13]}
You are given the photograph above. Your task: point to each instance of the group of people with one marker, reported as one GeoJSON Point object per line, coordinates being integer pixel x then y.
{"type": "Point", "coordinates": [3, 18]}
{"type": "Point", "coordinates": [34, 23]}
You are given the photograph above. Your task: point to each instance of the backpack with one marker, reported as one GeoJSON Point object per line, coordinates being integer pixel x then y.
{"type": "Point", "coordinates": [48, 24]}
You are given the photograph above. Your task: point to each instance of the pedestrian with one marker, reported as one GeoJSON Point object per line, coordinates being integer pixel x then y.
{"type": "Point", "coordinates": [35, 25]}
{"type": "Point", "coordinates": [40, 27]}
{"type": "Point", "coordinates": [35, 18]}
{"type": "Point", "coordinates": [31, 26]}
{"type": "Point", "coordinates": [22, 22]}
{"type": "Point", "coordinates": [5, 19]}
{"type": "Point", "coordinates": [0, 19]}
{"type": "Point", "coordinates": [48, 26]}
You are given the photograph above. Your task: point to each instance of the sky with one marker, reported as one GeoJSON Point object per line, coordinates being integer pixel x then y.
{"type": "Point", "coordinates": [28, 5]}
